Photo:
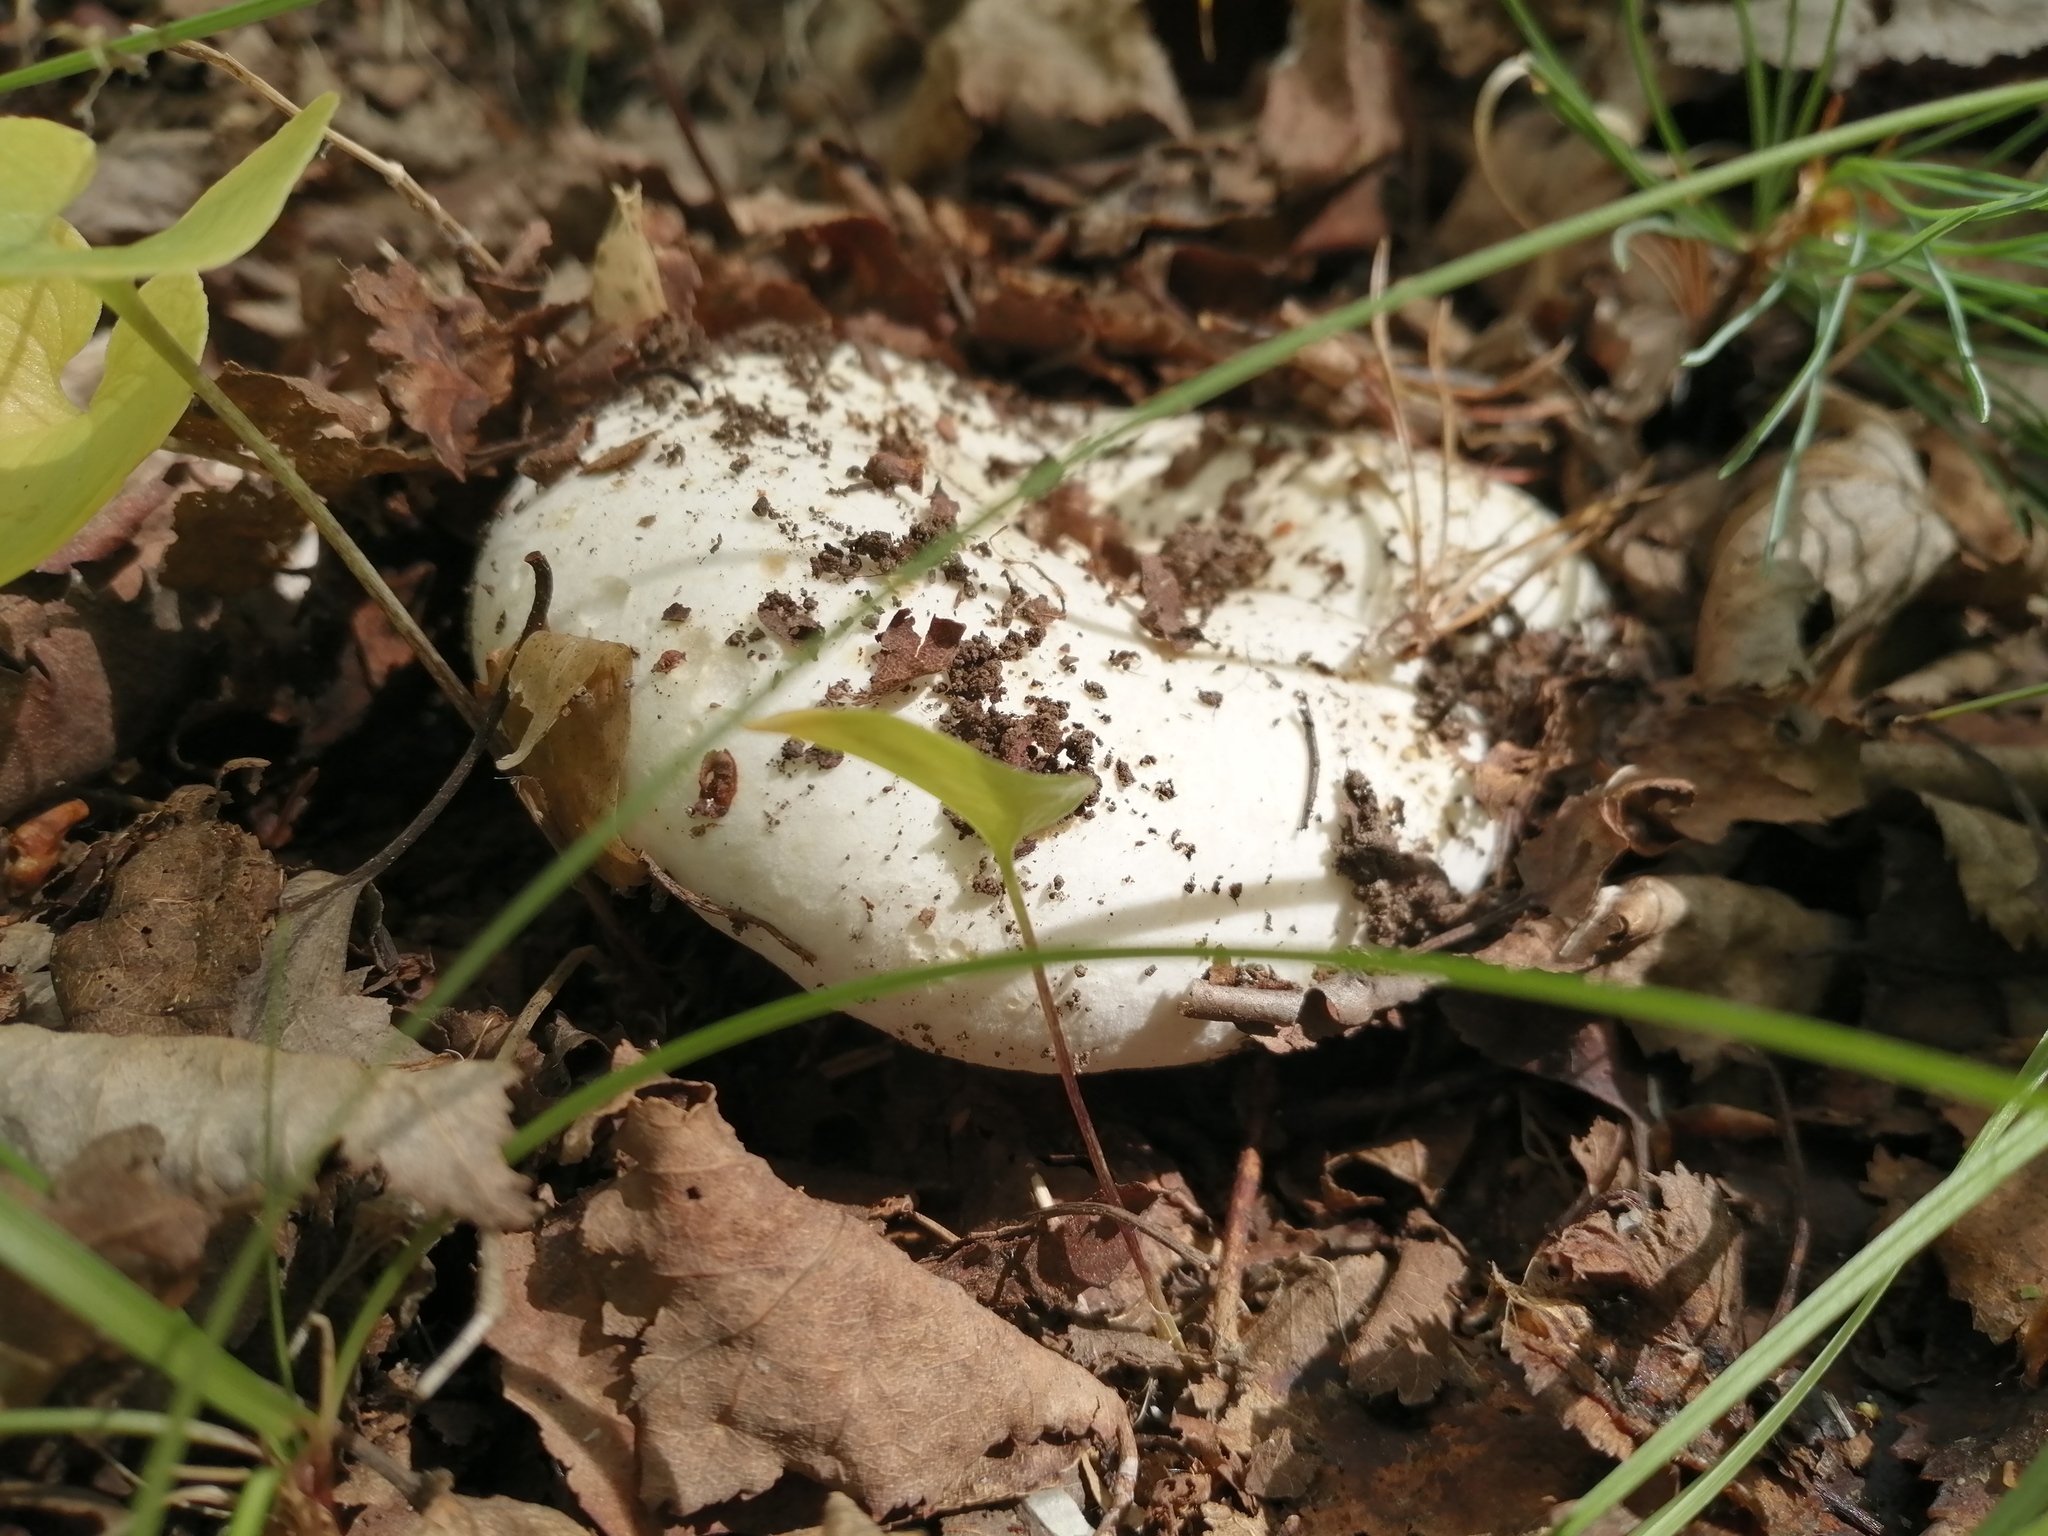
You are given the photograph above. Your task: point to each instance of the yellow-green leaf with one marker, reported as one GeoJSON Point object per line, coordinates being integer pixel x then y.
{"type": "Point", "coordinates": [1004, 804]}
{"type": "Point", "coordinates": [54, 476]}
{"type": "Point", "coordinates": [229, 217]}
{"type": "Point", "coordinates": [42, 326]}
{"type": "Point", "coordinates": [43, 168]}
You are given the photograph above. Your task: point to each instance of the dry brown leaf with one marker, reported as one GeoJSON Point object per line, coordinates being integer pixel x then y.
{"type": "Point", "coordinates": [1330, 105]}
{"type": "Point", "coordinates": [1973, 1442]}
{"type": "Point", "coordinates": [1996, 1255]}
{"type": "Point", "coordinates": [451, 362]}
{"type": "Point", "coordinates": [690, 1331]}
{"type": "Point", "coordinates": [625, 278]}
{"type": "Point", "coordinates": [1748, 759]}
{"type": "Point", "coordinates": [186, 922]}
{"type": "Point", "coordinates": [1703, 933]}
{"type": "Point", "coordinates": [1626, 1314]}
{"type": "Point", "coordinates": [1864, 531]}
{"type": "Point", "coordinates": [567, 722]}
{"type": "Point", "coordinates": [1404, 1348]}
{"type": "Point", "coordinates": [319, 1005]}
{"type": "Point", "coordinates": [1937, 768]}
{"type": "Point", "coordinates": [234, 1116]}
{"type": "Point", "coordinates": [1063, 78]}
{"type": "Point", "coordinates": [457, 1514]}
{"type": "Point", "coordinates": [331, 439]}
{"type": "Point", "coordinates": [110, 1198]}
{"type": "Point", "coordinates": [56, 706]}
{"type": "Point", "coordinates": [1998, 864]}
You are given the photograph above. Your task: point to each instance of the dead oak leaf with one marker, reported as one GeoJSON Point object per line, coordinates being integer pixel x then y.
{"type": "Point", "coordinates": [901, 657]}
{"type": "Point", "coordinates": [1330, 106]}
{"type": "Point", "coordinates": [693, 1329]}
{"type": "Point", "coordinates": [234, 1116]}
{"type": "Point", "coordinates": [1626, 1314]}
{"type": "Point", "coordinates": [331, 439]}
{"type": "Point", "coordinates": [452, 362]}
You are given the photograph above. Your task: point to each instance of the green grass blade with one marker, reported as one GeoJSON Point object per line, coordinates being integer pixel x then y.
{"type": "Point", "coordinates": [1808, 379]}
{"type": "Point", "coordinates": [1646, 77]}
{"type": "Point", "coordinates": [93, 1423]}
{"type": "Point", "coordinates": [17, 1166]}
{"type": "Point", "coordinates": [1959, 327]}
{"type": "Point", "coordinates": [1675, 1516]}
{"type": "Point", "coordinates": [1712, 347]}
{"type": "Point", "coordinates": [1898, 1061]}
{"type": "Point", "coordinates": [1812, 381]}
{"type": "Point", "coordinates": [155, 39]}
{"type": "Point", "coordinates": [1004, 805]}
{"type": "Point", "coordinates": [66, 1271]}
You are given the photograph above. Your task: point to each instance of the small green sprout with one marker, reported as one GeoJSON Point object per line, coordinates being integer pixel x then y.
{"type": "Point", "coordinates": [59, 464]}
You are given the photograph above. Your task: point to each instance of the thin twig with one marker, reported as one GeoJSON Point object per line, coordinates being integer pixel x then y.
{"type": "Point", "coordinates": [1315, 764]}
{"type": "Point", "coordinates": [543, 995]}
{"type": "Point", "coordinates": [122, 298]}
{"type": "Point", "coordinates": [686, 121]}
{"type": "Point", "coordinates": [479, 741]}
{"type": "Point", "coordinates": [399, 178]}
{"type": "Point", "coordinates": [1226, 1295]}
{"type": "Point", "coordinates": [1795, 1177]}
{"type": "Point", "coordinates": [490, 1306]}
{"type": "Point", "coordinates": [1131, 1220]}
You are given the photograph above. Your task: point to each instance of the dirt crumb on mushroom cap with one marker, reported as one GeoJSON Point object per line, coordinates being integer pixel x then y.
{"type": "Point", "coordinates": [1224, 736]}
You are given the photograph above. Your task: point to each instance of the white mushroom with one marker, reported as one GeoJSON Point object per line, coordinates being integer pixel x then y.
{"type": "Point", "coordinates": [763, 505]}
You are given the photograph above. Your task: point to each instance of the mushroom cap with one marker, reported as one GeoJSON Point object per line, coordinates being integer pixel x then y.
{"type": "Point", "coordinates": [1222, 764]}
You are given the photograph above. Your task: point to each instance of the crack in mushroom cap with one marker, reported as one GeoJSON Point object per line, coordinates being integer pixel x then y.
{"type": "Point", "coordinates": [757, 487]}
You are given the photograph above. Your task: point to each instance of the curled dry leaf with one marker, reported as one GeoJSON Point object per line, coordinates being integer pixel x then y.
{"type": "Point", "coordinates": [1318, 1461]}
{"type": "Point", "coordinates": [1058, 76]}
{"type": "Point", "coordinates": [567, 723]}
{"type": "Point", "coordinates": [1625, 1315]}
{"type": "Point", "coordinates": [694, 1329]}
{"type": "Point", "coordinates": [1999, 865]}
{"type": "Point", "coordinates": [625, 278]}
{"type": "Point", "coordinates": [1330, 106]}
{"type": "Point", "coordinates": [57, 701]}
{"type": "Point", "coordinates": [316, 1004]}
{"type": "Point", "coordinates": [184, 925]}
{"type": "Point", "coordinates": [234, 1116]}
{"type": "Point", "coordinates": [1404, 1348]}
{"type": "Point", "coordinates": [451, 362]}
{"type": "Point", "coordinates": [1703, 933]}
{"type": "Point", "coordinates": [1864, 532]}
{"type": "Point", "coordinates": [1987, 776]}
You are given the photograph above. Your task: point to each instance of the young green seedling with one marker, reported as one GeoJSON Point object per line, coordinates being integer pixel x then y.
{"type": "Point", "coordinates": [1004, 805]}
{"type": "Point", "coordinates": [59, 464]}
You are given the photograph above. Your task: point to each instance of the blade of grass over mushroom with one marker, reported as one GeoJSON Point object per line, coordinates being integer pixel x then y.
{"type": "Point", "coordinates": [543, 888]}
{"type": "Point", "coordinates": [61, 1267]}
{"type": "Point", "coordinates": [1004, 805]}
{"type": "Point", "coordinates": [151, 40]}
{"type": "Point", "coordinates": [1788, 1034]}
